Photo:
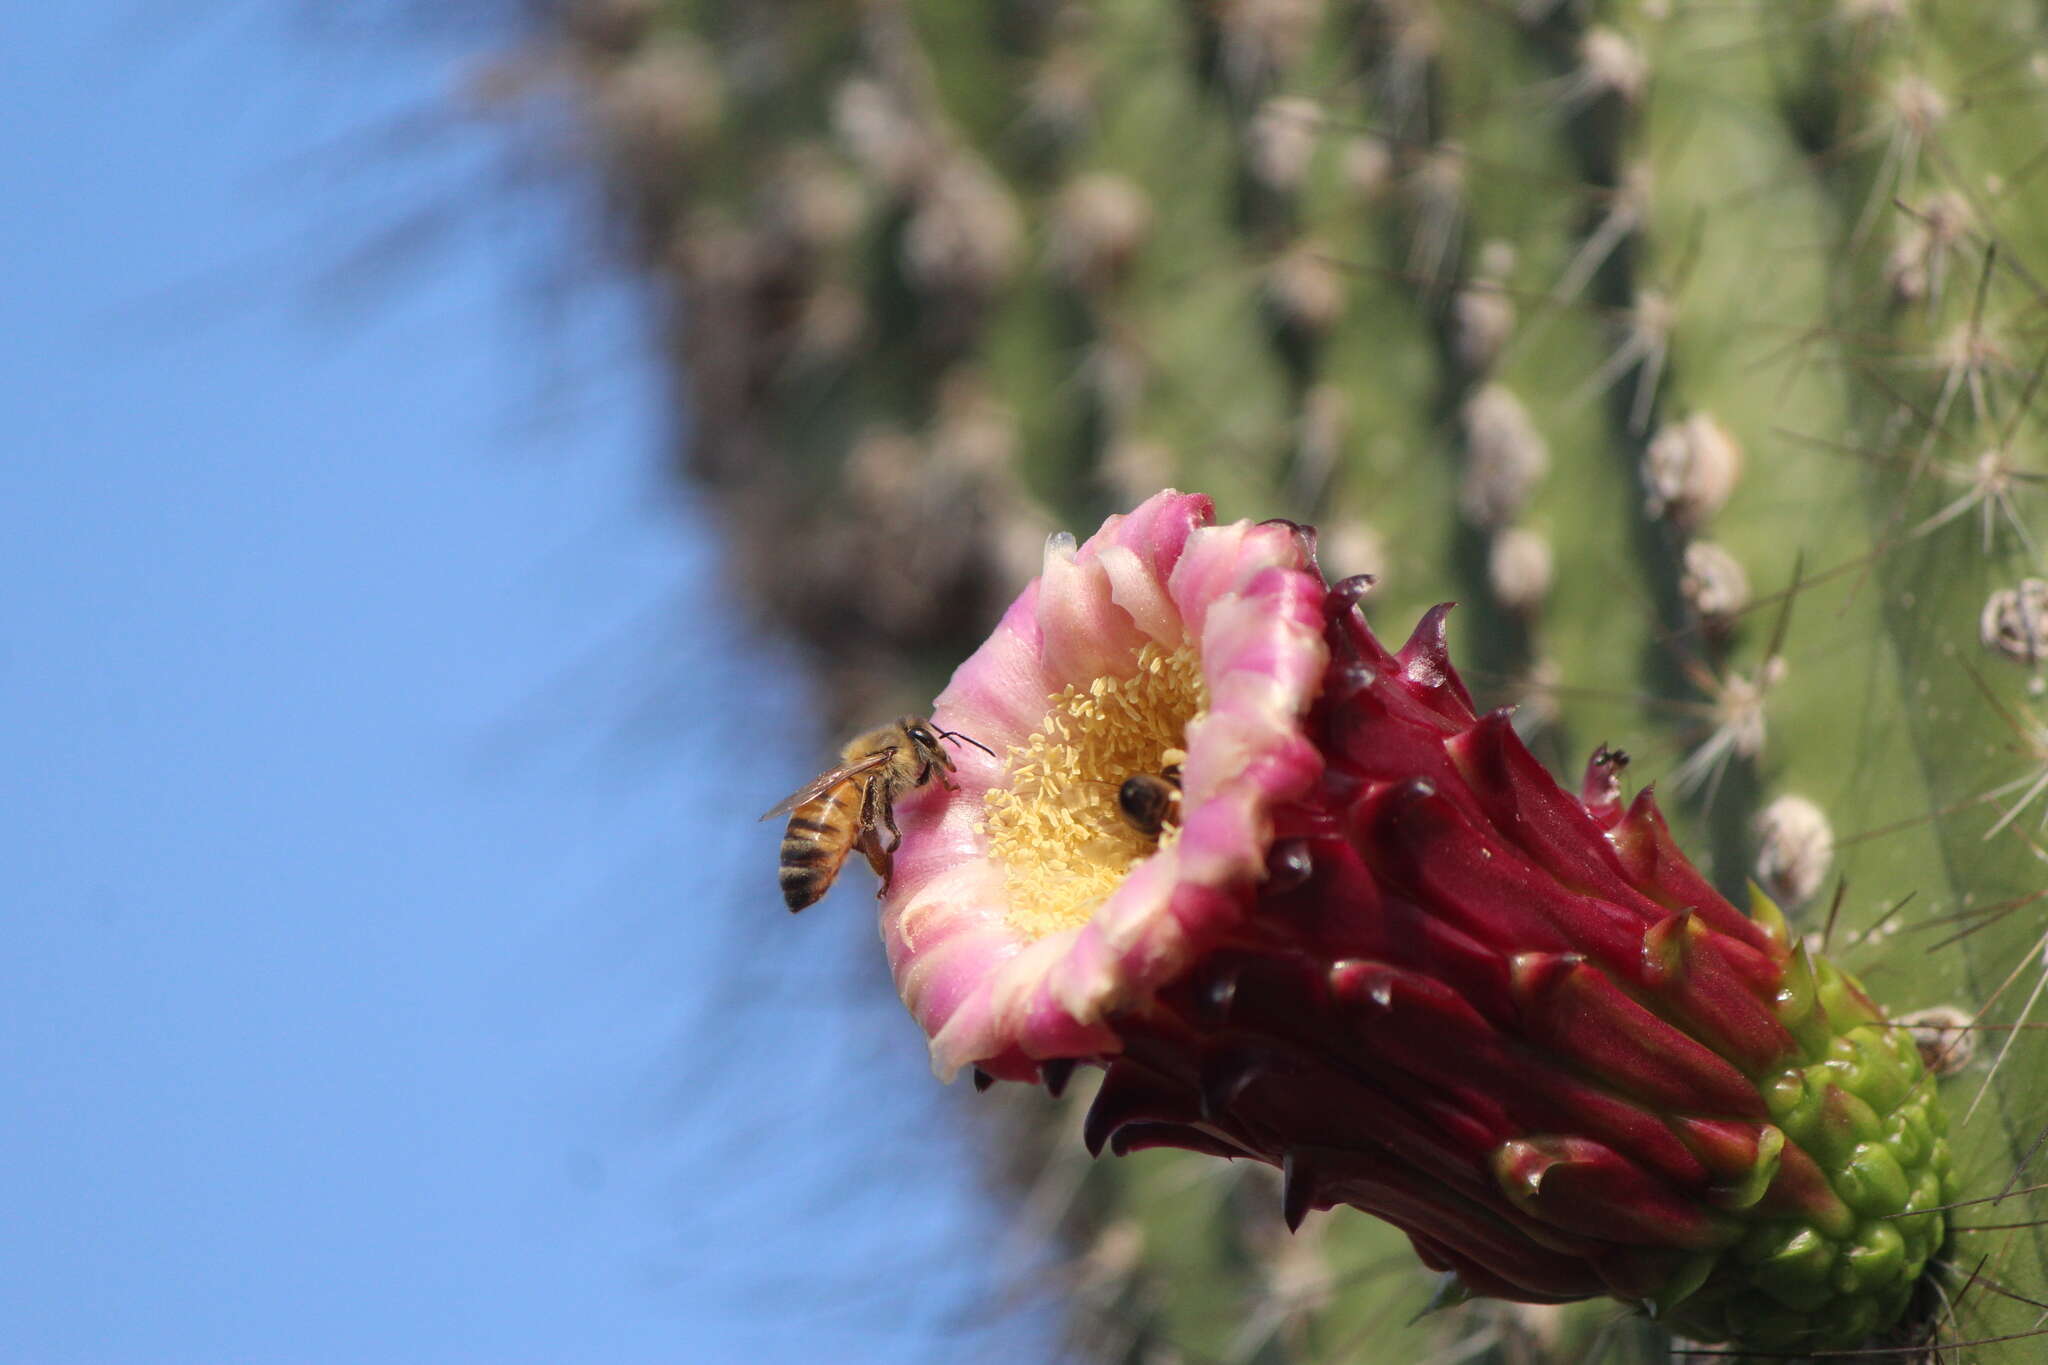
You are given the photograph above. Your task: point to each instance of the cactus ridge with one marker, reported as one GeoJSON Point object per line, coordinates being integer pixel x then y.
{"type": "Point", "coordinates": [1694, 347]}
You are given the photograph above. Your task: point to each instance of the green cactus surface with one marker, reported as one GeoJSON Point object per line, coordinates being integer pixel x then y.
{"type": "Point", "coordinates": [1694, 346]}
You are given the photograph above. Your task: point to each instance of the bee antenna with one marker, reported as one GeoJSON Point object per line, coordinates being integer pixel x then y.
{"type": "Point", "coordinates": [955, 734]}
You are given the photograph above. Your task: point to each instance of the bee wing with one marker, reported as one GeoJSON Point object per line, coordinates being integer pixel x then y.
{"type": "Point", "coordinates": [826, 781]}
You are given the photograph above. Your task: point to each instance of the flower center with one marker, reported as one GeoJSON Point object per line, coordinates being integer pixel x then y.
{"type": "Point", "coordinates": [1055, 825]}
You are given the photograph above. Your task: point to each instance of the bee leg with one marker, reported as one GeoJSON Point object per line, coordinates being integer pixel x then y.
{"type": "Point", "coordinates": [868, 805]}
{"type": "Point", "coordinates": [870, 843]}
{"type": "Point", "coordinates": [895, 834]}
{"type": "Point", "coordinates": [877, 856]}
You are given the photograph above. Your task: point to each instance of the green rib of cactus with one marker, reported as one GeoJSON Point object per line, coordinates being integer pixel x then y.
{"type": "Point", "coordinates": [1490, 290]}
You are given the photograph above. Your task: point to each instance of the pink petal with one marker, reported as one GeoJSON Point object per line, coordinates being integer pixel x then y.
{"type": "Point", "coordinates": [1158, 528]}
{"type": "Point", "coordinates": [1244, 598]}
{"type": "Point", "coordinates": [998, 695]}
{"type": "Point", "coordinates": [1085, 633]}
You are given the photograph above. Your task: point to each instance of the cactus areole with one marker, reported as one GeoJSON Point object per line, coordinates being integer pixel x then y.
{"type": "Point", "coordinates": [1382, 950]}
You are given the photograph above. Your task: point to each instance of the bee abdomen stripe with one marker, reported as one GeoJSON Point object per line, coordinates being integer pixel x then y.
{"type": "Point", "coordinates": [804, 855]}
{"type": "Point", "coordinates": [809, 826]}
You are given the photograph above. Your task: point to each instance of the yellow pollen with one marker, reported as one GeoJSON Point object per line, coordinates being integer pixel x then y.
{"type": "Point", "coordinates": [1055, 825]}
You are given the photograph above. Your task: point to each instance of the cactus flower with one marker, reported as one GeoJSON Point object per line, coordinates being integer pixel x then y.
{"type": "Point", "coordinates": [1382, 950]}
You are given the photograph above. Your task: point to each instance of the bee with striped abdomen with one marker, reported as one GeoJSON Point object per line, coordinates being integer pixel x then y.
{"type": "Point", "coordinates": [851, 805]}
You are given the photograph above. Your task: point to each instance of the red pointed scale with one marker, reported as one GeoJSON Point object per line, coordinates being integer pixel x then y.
{"type": "Point", "coordinates": [1655, 864]}
{"type": "Point", "coordinates": [1185, 1137]}
{"type": "Point", "coordinates": [1579, 1184]}
{"type": "Point", "coordinates": [1687, 965]}
{"type": "Point", "coordinates": [1427, 672]}
{"type": "Point", "coordinates": [1418, 840]}
{"type": "Point", "coordinates": [1532, 812]}
{"type": "Point", "coordinates": [1575, 1009]}
{"type": "Point", "coordinates": [1600, 791]}
{"type": "Point", "coordinates": [1130, 1096]}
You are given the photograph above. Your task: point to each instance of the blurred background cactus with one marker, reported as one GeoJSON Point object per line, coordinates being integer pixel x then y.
{"type": "Point", "coordinates": [1693, 347]}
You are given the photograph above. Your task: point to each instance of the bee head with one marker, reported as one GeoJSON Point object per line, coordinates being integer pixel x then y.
{"type": "Point", "coordinates": [925, 737]}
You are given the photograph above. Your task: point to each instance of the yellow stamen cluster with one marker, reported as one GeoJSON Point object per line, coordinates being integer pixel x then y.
{"type": "Point", "coordinates": [1054, 824]}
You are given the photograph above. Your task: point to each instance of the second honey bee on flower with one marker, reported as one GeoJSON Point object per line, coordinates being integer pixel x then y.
{"type": "Point", "coordinates": [1149, 802]}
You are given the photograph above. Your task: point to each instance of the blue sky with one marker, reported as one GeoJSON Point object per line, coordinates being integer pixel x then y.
{"type": "Point", "coordinates": [389, 975]}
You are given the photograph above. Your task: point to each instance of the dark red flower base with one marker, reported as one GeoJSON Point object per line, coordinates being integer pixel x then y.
{"type": "Point", "coordinates": [1521, 1026]}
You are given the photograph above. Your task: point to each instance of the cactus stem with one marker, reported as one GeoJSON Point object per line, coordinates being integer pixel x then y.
{"type": "Point", "coordinates": [1628, 210]}
{"type": "Point", "coordinates": [1035, 257]}
{"type": "Point", "coordinates": [1795, 844]}
{"type": "Point", "coordinates": [1737, 710]}
{"type": "Point", "coordinates": [1912, 110]}
{"type": "Point", "coordinates": [1978, 917]}
{"type": "Point", "coordinates": [2014, 624]}
{"type": "Point", "coordinates": [1971, 1203]}
{"type": "Point", "coordinates": [2030, 734]}
{"type": "Point", "coordinates": [1644, 349]}
{"type": "Point", "coordinates": [1945, 1035]}
{"type": "Point", "coordinates": [2032, 958]}
{"type": "Point", "coordinates": [1436, 194]}
{"type": "Point", "coordinates": [1991, 481]}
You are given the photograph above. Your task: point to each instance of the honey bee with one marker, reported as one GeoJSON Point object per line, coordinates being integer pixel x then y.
{"type": "Point", "coordinates": [1147, 801]}
{"type": "Point", "coordinates": [849, 806]}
